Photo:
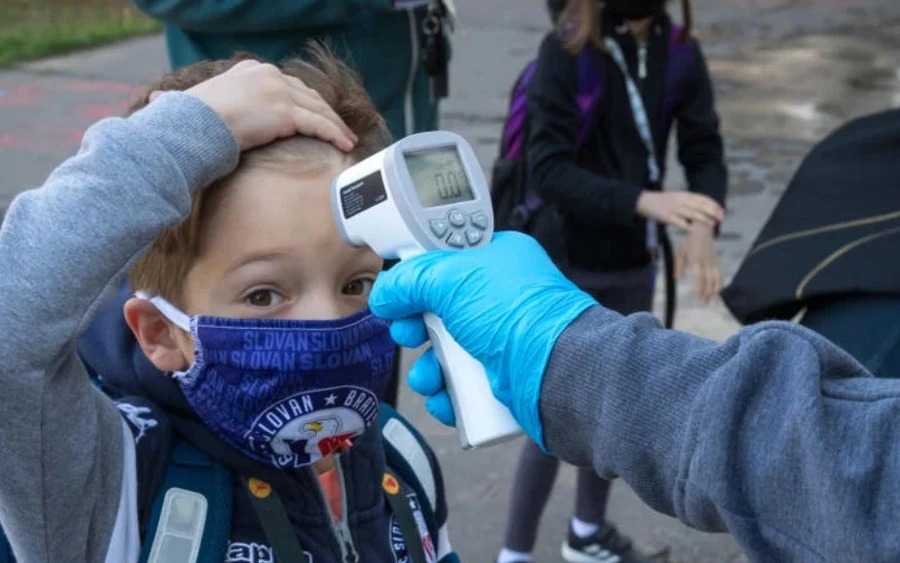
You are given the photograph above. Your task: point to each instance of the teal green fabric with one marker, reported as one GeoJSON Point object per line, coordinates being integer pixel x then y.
{"type": "Point", "coordinates": [192, 470]}
{"type": "Point", "coordinates": [376, 39]}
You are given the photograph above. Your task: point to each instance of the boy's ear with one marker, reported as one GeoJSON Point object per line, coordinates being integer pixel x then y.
{"type": "Point", "coordinates": [155, 334]}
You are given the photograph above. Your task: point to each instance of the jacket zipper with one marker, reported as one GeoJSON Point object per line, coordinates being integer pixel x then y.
{"type": "Point", "coordinates": [642, 61]}
{"type": "Point", "coordinates": [409, 110]}
{"type": "Point", "coordinates": [347, 548]}
{"type": "Point", "coordinates": [341, 531]}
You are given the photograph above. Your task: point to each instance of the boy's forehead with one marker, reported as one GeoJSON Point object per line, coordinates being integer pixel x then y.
{"type": "Point", "coordinates": [274, 193]}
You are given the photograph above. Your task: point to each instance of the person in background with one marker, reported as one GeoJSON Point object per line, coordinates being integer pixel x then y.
{"type": "Point", "coordinates": [382, 39]}
{"type": "Point", "coordinates": [608, 191]}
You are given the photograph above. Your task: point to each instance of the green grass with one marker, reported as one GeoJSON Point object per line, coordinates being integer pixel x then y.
{"type": "Point", "coordinates": [33, 29]}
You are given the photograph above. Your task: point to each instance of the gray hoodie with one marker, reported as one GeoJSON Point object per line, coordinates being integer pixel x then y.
{"type": "Point", "coordinates": [775, 435]}
{"type": "Point", "coordinates": [67, 479]}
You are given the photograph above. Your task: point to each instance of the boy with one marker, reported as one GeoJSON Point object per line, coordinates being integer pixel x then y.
{"type": "Point", "coordinates": [246, 239]}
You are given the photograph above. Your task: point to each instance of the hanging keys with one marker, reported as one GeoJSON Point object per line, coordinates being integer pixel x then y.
{"type": "Point", "coordinates": [434, 52]}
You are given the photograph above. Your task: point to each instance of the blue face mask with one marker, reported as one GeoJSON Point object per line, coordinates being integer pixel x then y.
{"type": "Point", "coordinates": [285, 392]}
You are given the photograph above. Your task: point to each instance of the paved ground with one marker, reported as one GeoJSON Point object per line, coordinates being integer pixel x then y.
{"type": "Point", "coordinates": [786, 73]}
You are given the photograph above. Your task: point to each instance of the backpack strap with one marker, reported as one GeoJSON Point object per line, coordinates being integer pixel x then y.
{"type": "Point", "coordinates": [680, 58]}
{"type": "Point", "coordinates": [6, 555]}
{"type": "Point", "coordinates": [407, 457]}
{"type": "Point", "coordinates": [275, 522]}
{"type": "Point", "coordinates": [405, 505]}
{"type": "Point", "coordinates": [191, 516]}
{"type": "Point", "coordinates": [590, 89]}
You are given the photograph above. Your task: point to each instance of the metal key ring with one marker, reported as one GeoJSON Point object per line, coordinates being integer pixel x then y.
{"type": "Point", "coordinates": [431, 25]}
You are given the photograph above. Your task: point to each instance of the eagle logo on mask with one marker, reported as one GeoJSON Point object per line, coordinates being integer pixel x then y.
{"type": "Point", "coordinates": [308, 426]}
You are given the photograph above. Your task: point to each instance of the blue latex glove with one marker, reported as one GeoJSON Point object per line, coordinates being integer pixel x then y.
{"type": "Point", "coordinates": [505, 303]}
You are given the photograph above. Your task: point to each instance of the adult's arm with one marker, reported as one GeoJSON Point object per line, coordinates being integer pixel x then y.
{"type": "Point", "coordinates": [700, 147]}
{"type": "Point", "coordinates": [552, 148]}
{"type": "Point", "coordinates": [775, 435]}
{"type": "Point", "coordinates": [260, 16]}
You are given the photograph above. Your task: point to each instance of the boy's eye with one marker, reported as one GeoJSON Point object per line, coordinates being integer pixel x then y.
{"type": "Point", "coordinates": [360, 286]}
{"type": "Point", "coordinates": [263, 298]}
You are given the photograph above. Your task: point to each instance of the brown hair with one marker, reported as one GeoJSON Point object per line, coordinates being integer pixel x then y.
{"type": "Point", "coordinates": [579, 24]}
{"type": "Point", "coordinates": [163, 268]}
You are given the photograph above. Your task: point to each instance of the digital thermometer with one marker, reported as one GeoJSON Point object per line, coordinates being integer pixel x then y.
{"type": "Point", "coordinates": [428, 192]}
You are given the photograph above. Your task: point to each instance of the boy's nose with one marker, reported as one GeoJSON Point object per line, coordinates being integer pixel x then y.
{"type": "Point", "coordinates": [319, 306]}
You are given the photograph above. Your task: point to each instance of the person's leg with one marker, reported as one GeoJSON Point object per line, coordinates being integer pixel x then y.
{"type": "Point", "coordinates": [531, 488]}
{"type": "Point", "coordinates": [590, 501]}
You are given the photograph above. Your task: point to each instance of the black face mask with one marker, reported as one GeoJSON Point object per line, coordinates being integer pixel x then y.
{"type": "Point", "coordinates": [635, 9]}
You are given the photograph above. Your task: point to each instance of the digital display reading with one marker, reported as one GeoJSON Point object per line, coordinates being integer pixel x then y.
{"type": "Point", "coordinates": [439, 177]}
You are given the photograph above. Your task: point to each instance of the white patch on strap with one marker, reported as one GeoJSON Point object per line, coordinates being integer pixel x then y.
{"type": "Point", "coordinates": [444, 547]}
{"type": "Point", "coordinates": [412, 451]}
{"type": "Point", "coordinates": [180, 529]}
{"type": "Point", "coordinates": [125, 542]}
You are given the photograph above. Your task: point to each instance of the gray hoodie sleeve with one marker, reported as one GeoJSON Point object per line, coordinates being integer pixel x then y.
{"type": "Point", "coordinates": [62, 247]}
{"type": "Point", "coordinates": [775, 435]}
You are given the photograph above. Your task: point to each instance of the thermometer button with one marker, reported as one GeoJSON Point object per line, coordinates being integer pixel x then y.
{"type": "Point", "coordinates": [457, 219]}
{"type": "Point", "coordinates": [473, 236]}
{"type": "Point", "coordinates": [479, 220]}
{"type": "Point", "coordinates": [438, 227]}
{"type": "Point", "coordinates": [456, 240]}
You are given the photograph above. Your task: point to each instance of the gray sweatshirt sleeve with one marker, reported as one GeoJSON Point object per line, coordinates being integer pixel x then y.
{"type": "Point", "coordinates": [774, 435]}
{"type": "Point", "coordinates": [62, 247]}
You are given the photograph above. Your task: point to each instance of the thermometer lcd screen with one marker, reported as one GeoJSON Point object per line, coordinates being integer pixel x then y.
{"type": "Point", "coordinates": [439, 177]}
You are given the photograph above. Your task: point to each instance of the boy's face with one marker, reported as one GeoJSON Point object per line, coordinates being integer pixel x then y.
{"type": "Point", "coordinates": [268, 249]}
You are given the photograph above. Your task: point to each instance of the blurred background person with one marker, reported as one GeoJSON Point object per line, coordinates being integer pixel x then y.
{"type": "Point", "coordinates": [599, 175]}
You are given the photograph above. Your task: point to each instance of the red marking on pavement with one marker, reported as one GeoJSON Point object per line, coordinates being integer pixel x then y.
{"type": "Point", "coordinates": [96, 112]}
{"type": "Point", "coordinates": [20, 95]}
{"type": "Point", "coordinates": [95, 86]}
{"type": "Point", "coordinates": [43, 139]}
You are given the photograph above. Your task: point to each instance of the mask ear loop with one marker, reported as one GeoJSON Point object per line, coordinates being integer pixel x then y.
{"type": "Point", "coordinates": [181, 320]}
{"type": "Point", "coordinates": [168, 310]}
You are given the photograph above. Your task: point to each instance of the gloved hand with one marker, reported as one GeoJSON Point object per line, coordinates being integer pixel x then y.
{"type": "Point", "coordinates": [505, 303]}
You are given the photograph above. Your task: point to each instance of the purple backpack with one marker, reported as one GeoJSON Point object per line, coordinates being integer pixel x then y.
{"type": "Point", "coordinates": [514, 203]}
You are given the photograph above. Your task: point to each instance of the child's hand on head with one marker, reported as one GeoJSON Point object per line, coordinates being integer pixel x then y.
{"type": "Point", "coordinates": [259, 104]}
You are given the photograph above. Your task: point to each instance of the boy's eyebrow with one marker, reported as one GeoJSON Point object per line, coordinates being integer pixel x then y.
{"type": "Point", "coordinates": [261, 256]}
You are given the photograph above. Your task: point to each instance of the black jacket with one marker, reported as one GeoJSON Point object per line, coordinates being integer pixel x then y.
{"type": "Point", "coordinates": [835, 230]}
{"type": "Point", "coordinates": [597, 188]}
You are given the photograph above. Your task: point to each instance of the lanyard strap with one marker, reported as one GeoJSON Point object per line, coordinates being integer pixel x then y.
{"type": "Point", "coordinates": [404, 504]}
{"type": "Point", "coordinates": [642, 122]}
{"type": "Point", "coordinates": [275, 522]}
{"type": "Point", "coordinates": [637, 109]}
{"type": "Point", "coordinates": [286, 546]}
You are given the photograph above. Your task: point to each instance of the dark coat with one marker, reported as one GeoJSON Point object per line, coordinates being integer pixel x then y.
{"type": "Point", "coordinates": [836, 230]}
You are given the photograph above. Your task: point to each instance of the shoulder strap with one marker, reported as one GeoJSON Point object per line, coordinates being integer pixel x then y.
{"type": "Point", "coordinates": [191, 516]}
{"type": "Point", "coordinates": [274, 521]}
{"type": "Point", "coordinates": [406, 455]}
{"type": "Point", "coordinates": [406, 507]}
{"type": "Point", "coordinates": [590, 88]}
{"type": "Point", "coordinates": [680, 58]}
{"type": "Point", "coordinates": [6, 555]}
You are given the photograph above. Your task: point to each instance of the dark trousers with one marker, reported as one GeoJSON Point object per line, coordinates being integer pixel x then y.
{"type": "Point", "coordinates": [626, 293]}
